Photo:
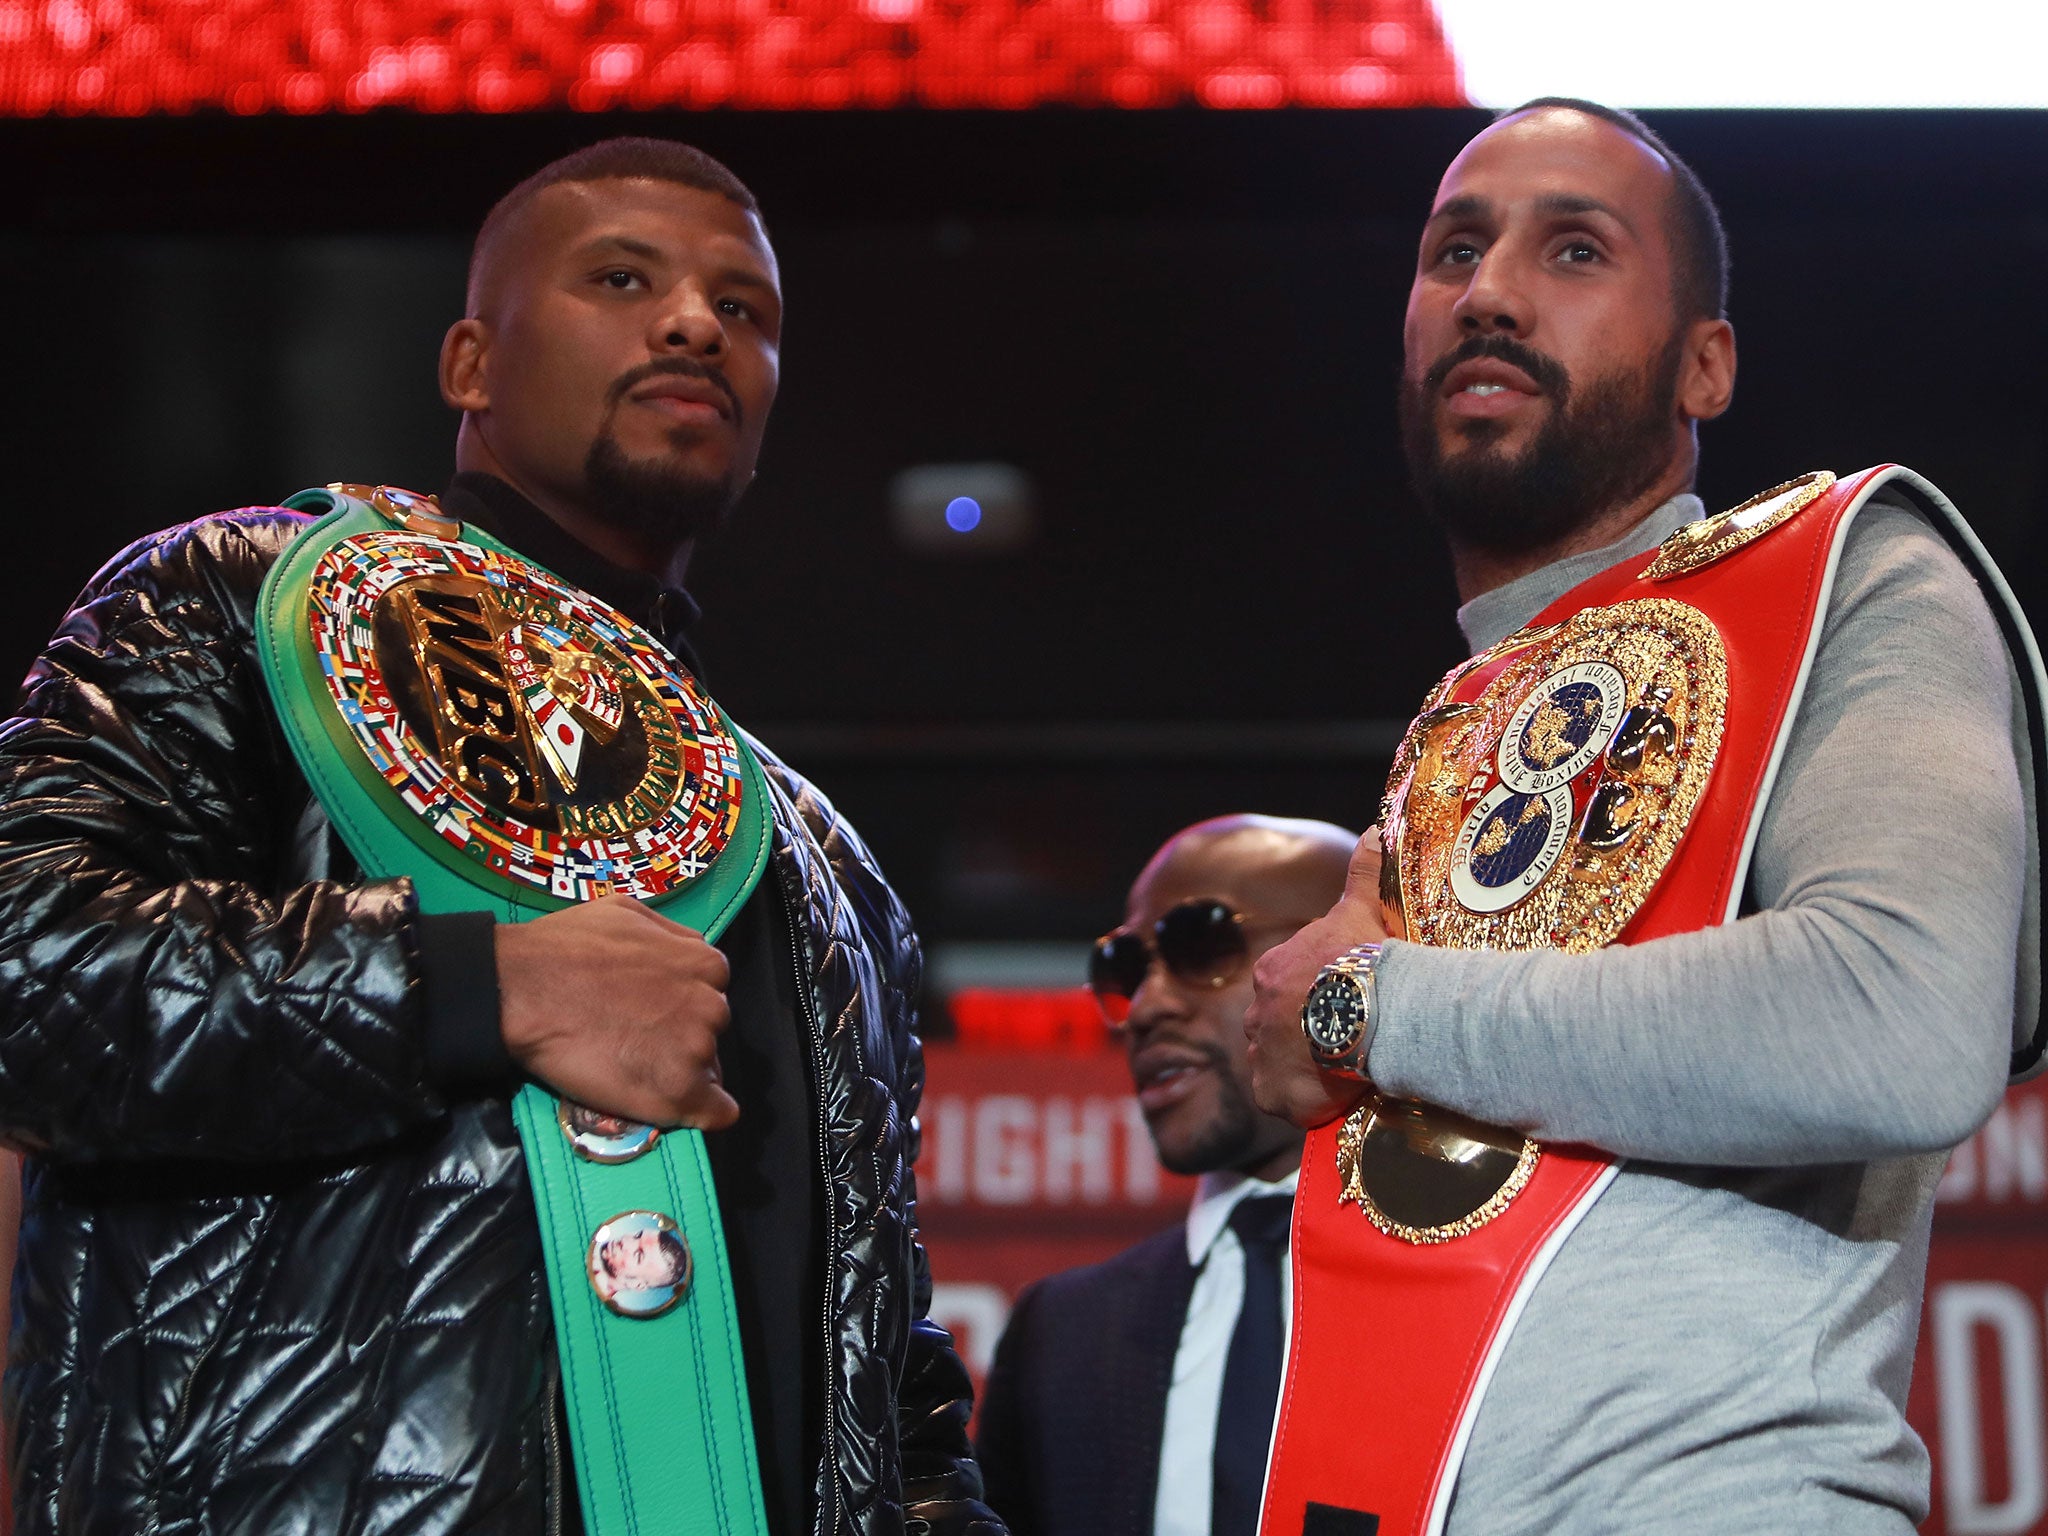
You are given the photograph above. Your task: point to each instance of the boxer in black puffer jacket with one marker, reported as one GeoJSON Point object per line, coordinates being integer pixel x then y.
{"type": "Point", "coordinates": [280, 1270]}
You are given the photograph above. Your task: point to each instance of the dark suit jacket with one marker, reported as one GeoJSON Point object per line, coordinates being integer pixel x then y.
{"type": "Point", "coordinates": [1076, 1402]}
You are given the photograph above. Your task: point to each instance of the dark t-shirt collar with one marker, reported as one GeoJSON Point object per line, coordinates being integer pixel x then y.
{"type": "Point", "coordinates": [667, 612]}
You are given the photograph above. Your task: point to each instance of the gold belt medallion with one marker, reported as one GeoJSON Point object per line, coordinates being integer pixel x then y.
{"type": "Point", "coordinates": [1425, 1175]}
{"type": "Point", "coordinates": [526, 723]}
{"type": "Point", "coordinates": [1538, 815]}
{"type": "Point", "coordinates": [1541, 814]}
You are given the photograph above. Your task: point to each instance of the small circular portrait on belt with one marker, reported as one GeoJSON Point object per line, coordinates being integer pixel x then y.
{"type": "Point", "coordinates": [600, 1138]}
{"type": "Point", "coordinates": [639, 1264]}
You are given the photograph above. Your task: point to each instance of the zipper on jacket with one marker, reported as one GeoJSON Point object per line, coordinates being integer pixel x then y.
{"type": "Point", "coordinates": [814, 1037]}
{"type": "Point", "coordinates": [556, 1481]}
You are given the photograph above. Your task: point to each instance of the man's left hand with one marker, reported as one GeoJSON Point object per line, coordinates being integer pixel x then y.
{"type": "Point", "coordinates": [1285, 1079]}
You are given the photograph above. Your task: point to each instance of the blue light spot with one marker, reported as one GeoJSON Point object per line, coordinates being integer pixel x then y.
{"type": "Point", "coordinates": [963, 514]}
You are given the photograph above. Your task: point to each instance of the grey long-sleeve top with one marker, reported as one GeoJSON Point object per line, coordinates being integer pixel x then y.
{"type": "Point", "coordinates": [1724, 1342]}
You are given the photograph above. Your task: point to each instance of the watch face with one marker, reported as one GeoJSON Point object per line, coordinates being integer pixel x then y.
{"type": "Point", "coordinates": [1335, 1016]}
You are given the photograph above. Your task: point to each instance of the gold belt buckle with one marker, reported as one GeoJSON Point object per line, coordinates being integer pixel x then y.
{"type": "Point", "coordinates": [1426, 1175]}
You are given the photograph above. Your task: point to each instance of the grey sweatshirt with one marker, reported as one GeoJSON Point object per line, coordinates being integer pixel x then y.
{"type": "Point", "coordinates": [1724, 1343]}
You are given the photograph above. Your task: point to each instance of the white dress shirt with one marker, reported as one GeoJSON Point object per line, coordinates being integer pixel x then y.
{"type": "Point", "coordinates": [1187, 1453]}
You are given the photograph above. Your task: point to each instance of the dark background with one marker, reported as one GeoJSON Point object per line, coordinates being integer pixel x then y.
{"type": "Point", "coordinates": [1184, 326]}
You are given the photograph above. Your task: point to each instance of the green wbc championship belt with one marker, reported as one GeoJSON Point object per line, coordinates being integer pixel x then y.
{"type": "Point", "coordinates": [512, 745]}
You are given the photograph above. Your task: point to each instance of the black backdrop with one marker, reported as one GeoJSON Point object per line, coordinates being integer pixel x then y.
{"type": "Point", "coordinates": [1184, 326]}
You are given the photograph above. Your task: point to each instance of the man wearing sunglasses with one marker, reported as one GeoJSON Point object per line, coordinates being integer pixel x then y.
{"type": "Point", "coordinates": [1708, 924]}
{"type": "Point", "coordinates": [1179, 1338]}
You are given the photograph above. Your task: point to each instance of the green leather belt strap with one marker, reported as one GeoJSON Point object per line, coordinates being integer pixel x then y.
{"type": "Point", "coordinates": [659, 1420]}
{"type": "Point", "coordinates": [658, 1413]}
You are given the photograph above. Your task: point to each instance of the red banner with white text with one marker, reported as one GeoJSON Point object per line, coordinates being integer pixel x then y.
{"type": "Point", "coordinates": [1981, 1375]}
{"type": "Point", "coordinates": [1033, 1162]}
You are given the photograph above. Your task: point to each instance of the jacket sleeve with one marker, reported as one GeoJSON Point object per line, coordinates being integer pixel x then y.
{"type": "Point", "coordinates": [163, 993]}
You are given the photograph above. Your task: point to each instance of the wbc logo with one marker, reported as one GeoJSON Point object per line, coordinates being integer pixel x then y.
{"type": "Point", "coordinates": [531, 727]}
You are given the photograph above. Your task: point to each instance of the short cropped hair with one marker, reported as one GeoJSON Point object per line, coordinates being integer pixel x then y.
{"type": "Point", "coordinates": [1699, 245]}
{"type": "Point", "coordinates": [636, 159]}
{"type": "Point", "coordinates": [678, 1257]}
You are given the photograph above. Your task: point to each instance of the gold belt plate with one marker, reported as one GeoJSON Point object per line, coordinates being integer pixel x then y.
{"type": "Point", "coordinates": [1425, 1175]}
{"type": "Point", "coordinates": [1698, 545]}
{"type": "Point", "coordinates": [528, 724]}
{"type": "Point", "coordinates": [1541, 814]}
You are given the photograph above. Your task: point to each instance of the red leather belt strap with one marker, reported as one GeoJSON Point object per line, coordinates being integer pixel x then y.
{"type": "Point", "coordinates": [1393, 1343]}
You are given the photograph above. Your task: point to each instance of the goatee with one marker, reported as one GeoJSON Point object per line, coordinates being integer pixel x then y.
{"type": "Point", "coordinates": [1603, 446]}
{"type": "Point", "coordinates": [1229, 1140]}
{"type": "Point", "coordinates": [663, 504]}
{"type": "Point", "coordinates": [1236, 1137]}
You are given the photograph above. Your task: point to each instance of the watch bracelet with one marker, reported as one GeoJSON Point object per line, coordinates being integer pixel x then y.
{"type": "Point", "coordinates": [1360, 962]}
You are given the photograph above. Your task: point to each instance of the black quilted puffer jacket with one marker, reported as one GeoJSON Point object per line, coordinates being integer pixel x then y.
{"type": "Point", "coordinates": [271, 1280]}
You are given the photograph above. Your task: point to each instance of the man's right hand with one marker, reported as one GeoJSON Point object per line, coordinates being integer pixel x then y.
{"type": "Point", "coordinates": [617, 1008]}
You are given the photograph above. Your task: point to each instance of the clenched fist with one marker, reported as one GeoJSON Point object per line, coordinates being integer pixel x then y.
{"type": "Point", "coordinates": [1285, 1079]}
{"type": "Point", "coordinates": [614, 1006]}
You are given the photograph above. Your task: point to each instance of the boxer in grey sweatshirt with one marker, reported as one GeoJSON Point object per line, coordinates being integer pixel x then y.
{"type": "Point", "coordinates": [1723, 1343]}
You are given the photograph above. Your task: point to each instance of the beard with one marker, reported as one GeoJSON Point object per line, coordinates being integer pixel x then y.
{"type": "Point", "coordinates": [1600, 449]}
{"type": "Point", "coordinates": [1236, 1137]}
{"type": "Point", "coordinates": [659, 501]}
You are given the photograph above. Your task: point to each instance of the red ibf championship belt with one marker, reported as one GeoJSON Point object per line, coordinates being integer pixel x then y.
{"type": "Point", "coordinates": [1596, 778]}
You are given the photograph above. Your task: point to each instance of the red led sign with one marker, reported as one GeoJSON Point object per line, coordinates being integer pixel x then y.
{"type": "Point", "coordinates": [1007, 1018]}
{"type": "Point", "coordinates": [126, 58]}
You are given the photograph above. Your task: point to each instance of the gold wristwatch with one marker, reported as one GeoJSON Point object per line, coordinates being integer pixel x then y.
{"type": "Point", "coordinates": [1340, 1012]}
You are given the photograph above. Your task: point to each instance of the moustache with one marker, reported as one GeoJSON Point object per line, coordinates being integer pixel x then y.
{"type": "Point", "coordinates": [684, 367]}
{"type": "Point", "coordinates": [1547, 372]}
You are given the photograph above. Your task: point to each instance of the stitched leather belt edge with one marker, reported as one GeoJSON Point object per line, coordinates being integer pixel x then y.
{"type": "Point", "coordinates": [659, 1419]}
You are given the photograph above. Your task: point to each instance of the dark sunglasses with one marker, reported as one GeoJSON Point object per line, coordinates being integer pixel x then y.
{"type": "Point", "coordinates": [1200, 942]}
